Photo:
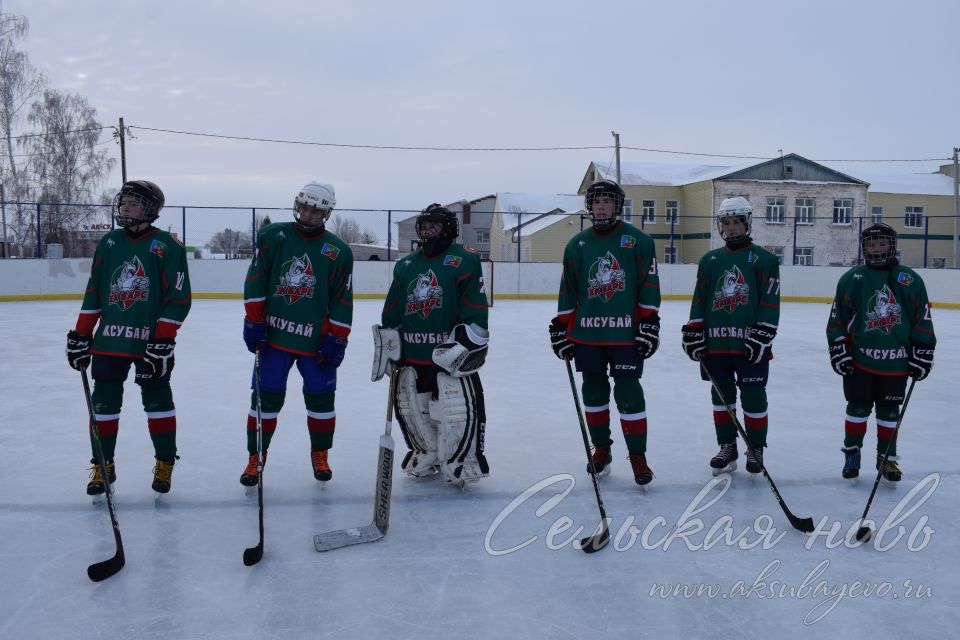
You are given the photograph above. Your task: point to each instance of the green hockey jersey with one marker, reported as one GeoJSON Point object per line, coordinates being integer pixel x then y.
{"type": "Point", "coordinates": [609, 282]}
{"type": "Point", "coordinates": [429, 296]}
{"type": "Point", "coordinates": [881, 313]}
{"type": "Point", "coordinates": [139, 289]}
{"type": "Point", "coordinates": [735, 290]}
{"type": "Point", "coordinates": [300, 286]}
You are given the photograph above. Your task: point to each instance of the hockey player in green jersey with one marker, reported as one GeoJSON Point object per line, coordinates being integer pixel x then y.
{"type": "Point", "coordinates": [733, 321]}
{"type": "Point", "coordinates": [298, 300]}
{"type": "Point", "coordinates": [608, 321]}
{"type": "Point", "coordinates": [136, 299]}
{"type": "Point", "coordinates": [879, 332]}
{"type": "Point", "coordinates": [433, 335]}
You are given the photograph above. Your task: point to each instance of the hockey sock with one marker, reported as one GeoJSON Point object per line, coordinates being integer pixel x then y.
{"type": "Point", "coordinates": [754, 400]}
{"type": "Point", "coordinates": [628, 394]}
{"type": "Point", "coordinates": [855, 425]}
{"type": "Point", "coordinates": [270, 405]}
{"type": "Point", "coordinates": [722, 423]}
{"type": "Point", "coordinates": [107, 399]}
{"type": "Point", "coordinates": [887, 415]}
{"type": "Point", "coordinates": [161, 419]}
{"type": "Point", "coordinates": [321, 419]}
{"type": "Point", "coordinates": [596, 407]}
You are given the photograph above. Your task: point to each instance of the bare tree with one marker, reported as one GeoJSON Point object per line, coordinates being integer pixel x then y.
{"type": "Point", "coordinates": [66, 167]}
{"type": "Point", "coordinates": [348, 230]}
{"type": "Point", "coordinates": [233, 244]}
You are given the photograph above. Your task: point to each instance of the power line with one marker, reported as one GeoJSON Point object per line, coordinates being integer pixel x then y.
{"type": "Point", "coordinates": [561, 148]}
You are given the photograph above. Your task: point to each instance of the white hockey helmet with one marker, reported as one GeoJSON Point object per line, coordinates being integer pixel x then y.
{"type": "Point", "coordinates": [738, 207]}
{"type": "Point", "coordinates": [314, 194]}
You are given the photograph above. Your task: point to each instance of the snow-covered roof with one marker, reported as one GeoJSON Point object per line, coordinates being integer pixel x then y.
{"type": "Point", "coordinates": [532, 206]}
{"type": "Point", "coordinates": [662, 175]}
{"type": "Point", "coordinates": [546, 221]}
{"type": "Point", "coordinates": [906, 182]}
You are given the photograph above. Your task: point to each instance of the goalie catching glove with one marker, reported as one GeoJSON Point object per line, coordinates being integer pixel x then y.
{"type": "Point", "coordinates": [921, 361]}
{"type": "Point", "coordinates": [759, 342]}
{"type": "Point", "coordinates": [464, 352]}
{"type": "Point", "coordinates": [694, 341]}
{"type": "Point", "coordinates": [648, 337]}
{"type": "Point", "coordinates": [386, 351]}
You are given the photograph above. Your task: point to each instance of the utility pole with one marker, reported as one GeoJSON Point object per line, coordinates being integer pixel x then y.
{"type": "Point", "coordinates": [616, 146]}
{"type": "Point", "coordinates": [123, 151]}
{"type": "Point", "coordinates": [956, 210]}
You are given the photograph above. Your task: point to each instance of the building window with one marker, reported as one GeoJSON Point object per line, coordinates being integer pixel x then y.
{"type": "Point", "coordinates": [777, 251]}
{"type": "Point", "coordinates": [876, 214]}
{"type": "Point", "coordinates": [649, 211]}
{"type": "Point", "coordinates": [670, 255]}
{"type": "Point", "coordinates": [483, 236]}
{"type": "Point", "coordinates": [628, 209]}
{"type": "Point", "coordinates": [842, 208]}
{"type": "Point", "coordinates": [803, 257]}
{"type": "Point", "coordinates": [805, 210]}
{"type": "Point", "coordinates": [913, 217]}
{"type": "Point", "coordinates": [673, 212]}
{"type": "Point", "coordinates": [775, 209]}
{"type": "Point", "coordinates": [939, 263]}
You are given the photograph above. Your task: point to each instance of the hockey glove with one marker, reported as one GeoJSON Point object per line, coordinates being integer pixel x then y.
{"type": "Point", "coordinates": [78, 350]}
{"type": "Point", "coordinates": [464, 351]}
{"type": "Point", "coordinates": [558, 339]}
{"type": "Point", "coordinates": [758, 342]}
{"type": "Point", "coordinates": [840, 358]}
{"type": "Point", "coordinates": [921, 361]}
{"type": "Point", "coordinates": [694, 341]}
{"type": "Point", "coordinates": [386, 351]}
{"type": "Point", "coordinates": [254, 334]}
{"type": "Point", "coordinates": [159, 357]}
{"type": "Point", "coordinates": [332, 350]}
{"type": "Point", "coordinates": [648, 337]}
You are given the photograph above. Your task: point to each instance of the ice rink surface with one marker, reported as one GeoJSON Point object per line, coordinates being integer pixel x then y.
{"type": "Point", "coordinates": [691, 558]}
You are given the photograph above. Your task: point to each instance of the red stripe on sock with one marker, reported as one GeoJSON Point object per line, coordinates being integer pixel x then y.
{"type": "Point", "coordinates": [883, 433]}
{"type": "Point", "coordinates": [634, 427]}
{"type": "Point", "coordinates": [162, 425]}
{"type": "Point", "coordinates": [598, 418]}
{"type": "Point", "coordinates": [321, 425]}
{"type": "Point", "coordinates": [755, 424]}
{"type": "Point", "coordinates": [854, 428]}
{"type": "Point", "coordinates": [108, 427]}
{"type": "Point", "coordinates": [269, 424]}
{"type": "Point", "coordinates": [721, 418]}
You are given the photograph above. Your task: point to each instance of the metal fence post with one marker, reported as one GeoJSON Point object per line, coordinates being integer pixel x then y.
{"type": "Point", "coordinates": [183, 224]}
{"type": "Point", "coordinates": [926, 239]}
{"type": "Point", "coordinates": [39, 232]}
{"type": "Point", "coordinates": [389, 233]}
{"type": "Point", "coordinates": [794, 237]}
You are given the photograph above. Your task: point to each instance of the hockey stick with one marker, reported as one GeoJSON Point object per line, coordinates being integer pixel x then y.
{"type": "Point", "coordinates": [803, 524]}
{"type": "Point", "coordinates": [381, 502]}
{"type": "Point", "coordinates": [103, 570]}
{"type": "Point", "coordinates": [596, 542]}
{"type": "Point", "coordinates": [253, 555]}
{"type": "Point", "coordinates": [864, 532]}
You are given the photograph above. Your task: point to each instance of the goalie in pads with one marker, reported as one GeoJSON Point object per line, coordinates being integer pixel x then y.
{"type": "Point", "coordinates": [434, 337]}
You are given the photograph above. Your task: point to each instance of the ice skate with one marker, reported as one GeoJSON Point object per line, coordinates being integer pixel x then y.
{"type": "Point", "coordinates": [641, 472]}
{"type": "Point", "coordinates": [755, 459]}
{"type": "Point", "coordinates": [250, 476]}
{"type": "Point", "coordinates": [726, 459]}
{"type": "Point", "coordinates": [321, 470]}
{"type": "Point", "coordinates": [163, 475]}
{"type": "Point", "coordinates": [96, 487]}
{"type": "Point", "coordinates": [891, 474]}
{"type": "Point", "coordinates": [851, 463]}
{"type": "Point", "coordinates": [601, 461]}
{"type": "Point", "coordinates": [420, 466]}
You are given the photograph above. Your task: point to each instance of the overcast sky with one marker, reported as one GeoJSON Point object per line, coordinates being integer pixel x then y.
{"type": "Point", "coordinates": [825, 79]}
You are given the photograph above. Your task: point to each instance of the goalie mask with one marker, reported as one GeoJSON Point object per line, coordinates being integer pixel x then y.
{"type": "Point", "coordinates": [437, 228]}
{"type": "Point", "coordinates": [601, 218]}
{"type": "Point", "coordinates": [878, 243]}
{"type": "Point", "coordinates": [313, 205]}
{"type": "Point", "coordinates": [739, 209]}
{"type": "Point", "coordinates": [137, 192]}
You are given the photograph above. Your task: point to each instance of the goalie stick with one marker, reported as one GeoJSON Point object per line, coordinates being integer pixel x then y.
{"type": "Point", "coordinates": [802, 524]}
{"type": "Point", "coordinates": [103, 570]}
{"type": "Point", "coordinates": [594, 543]}
{"type": "Point", "coordinates": [374, 531]}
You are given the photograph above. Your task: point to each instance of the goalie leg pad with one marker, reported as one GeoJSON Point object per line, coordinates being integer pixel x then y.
{"type": "Point", "coordinates": [419, 431]}
{"type": "Point", "coordinates": [460, 411]}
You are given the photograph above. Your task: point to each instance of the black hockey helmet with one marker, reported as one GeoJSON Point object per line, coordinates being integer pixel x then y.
{"type": "Point", "coordinates": [147, 193]}
{"type": "Point", "coordinates": [608, 189]}
{"type": "Point", "coordinates": [879, 256]}
{"type": "Point", "coordinates": [449, 229]}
